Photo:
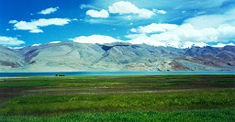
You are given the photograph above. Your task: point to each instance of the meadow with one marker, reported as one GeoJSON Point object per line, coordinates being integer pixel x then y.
{"type": "Point", "coordinates": [118, 98]}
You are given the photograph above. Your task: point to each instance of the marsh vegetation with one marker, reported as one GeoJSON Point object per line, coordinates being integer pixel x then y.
{"type": "Point", "coordinates": [118, 98]}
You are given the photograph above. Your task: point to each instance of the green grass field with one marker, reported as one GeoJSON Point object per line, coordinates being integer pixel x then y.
{"type": "Point", "coordinates": [118, 98]}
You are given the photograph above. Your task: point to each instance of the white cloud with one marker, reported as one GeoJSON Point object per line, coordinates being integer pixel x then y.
{"type": "Point", "coordinates": [165, 41]}
{"type": "Point", "coordinates": [34, 25]}
{"type": "Point", "coordinates": [98, 14]}
{"type": "Point", "coordinates": [133, 30]}
{"type": "Point", "coordinates": [100, 39]}
{"type": "Point", "coordinates": [13, 21]}
{"type": "Point", "coordinates": [143, 39]}
{"type": "Point", "coordinates": [168, 4]}
{"type": "Point", "coordinates": [222, 44]}
{"type": "Point", "coordinates": [83, 6]}
{"type": "Point", "coordinates": [4, 40]}
{"type": "Point", "coordinates": [190, 44]}
{"type": "Point", "coordinates": [36, 31]}
{"type": "Point", "coordinates": [16, 47]}
{"type": "Point", "coordinates": [196, 31]}
{"type": "Point", "coordinates": [213, 20]}
{"type": "Point", "coordinates": [187, 35]}
{"type": "Point", "coordinates": [75, 19]}
{"type": "Point", "coordinates": [159, 11]}
{"type": "Point", "coordinates": [125, 7]}
{"type": "Point", "coordinates": [34, 45]}
{"type": "Point", "coordinates": [54, 42]}
{"type": "Point", "coordinates": [48, 10]}
{"type": "Point", "coordinates": [187, 32]}
{"type": "Point", "coordinates": [155, 28]}
{"type": "Point", "coordinates": [133, 36]}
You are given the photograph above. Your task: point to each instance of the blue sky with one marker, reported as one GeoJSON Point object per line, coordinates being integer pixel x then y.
{"type": "Point", "coordinates": [176, 23]}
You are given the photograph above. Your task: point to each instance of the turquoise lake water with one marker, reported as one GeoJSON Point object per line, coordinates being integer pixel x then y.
{"type": "Point", "coordinates": [121, 73]}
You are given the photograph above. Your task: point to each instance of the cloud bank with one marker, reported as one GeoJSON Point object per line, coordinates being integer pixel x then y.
{"type": "Point", "coordinates": [196, 31]}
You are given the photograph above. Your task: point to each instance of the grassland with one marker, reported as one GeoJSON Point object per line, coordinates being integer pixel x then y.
{"type": "Point", "coordinates": [118, 98]}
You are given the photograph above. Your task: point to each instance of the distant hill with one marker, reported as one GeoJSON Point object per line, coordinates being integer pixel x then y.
{"type": "Point", "coordinates": [72, 56]}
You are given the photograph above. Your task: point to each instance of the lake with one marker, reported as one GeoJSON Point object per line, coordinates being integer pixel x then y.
{"type": "Point", "coordinates": [120, 73]}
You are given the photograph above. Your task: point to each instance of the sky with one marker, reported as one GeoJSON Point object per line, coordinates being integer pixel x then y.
{"type": "Point", "coordinates": [174, 23]}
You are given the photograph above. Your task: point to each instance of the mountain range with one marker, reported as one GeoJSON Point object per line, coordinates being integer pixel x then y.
{"type": "Point", "coordinates": [73, 56]}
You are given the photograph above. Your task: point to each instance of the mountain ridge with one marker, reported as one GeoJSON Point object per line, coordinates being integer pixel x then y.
{"type": "Point", "coordinates": [73, 56]}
